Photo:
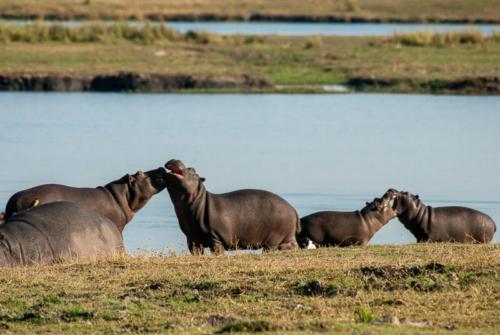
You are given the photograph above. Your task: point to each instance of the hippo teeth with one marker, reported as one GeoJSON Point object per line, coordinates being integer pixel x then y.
{"type": "Point", "coordinates": [175, 170]}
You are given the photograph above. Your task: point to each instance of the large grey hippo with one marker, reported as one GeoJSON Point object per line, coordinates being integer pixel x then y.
{"type": "Point", "coordinates": [244, 219]}
{"type": "Point", "coordinates": [332, 228]}
{"type": "Point", "coordinates": [56, 232]}
{"type": "Point", "coordinates": [441, 224]}
{"type": "Point", "coordinates": [118, 200]}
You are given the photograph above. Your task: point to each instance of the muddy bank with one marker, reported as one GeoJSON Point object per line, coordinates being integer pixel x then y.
{"type": "Point", "coordinates": [466, 86]}
{"type": "Point", "coordinates": [255, 17]}
{"type": "Point", "coordinates": [134, 82]}
{"type": "Point", "coordinates": [126, 82]}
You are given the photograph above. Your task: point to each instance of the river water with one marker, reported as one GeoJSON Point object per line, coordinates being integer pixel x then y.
{"type": "Point", "coordinates": [320, 152]}
{"type": "Point", "coordinates": [297, 29]}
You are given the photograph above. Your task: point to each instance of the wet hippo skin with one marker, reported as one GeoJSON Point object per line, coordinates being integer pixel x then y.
{"type": "Point", "coordinates": [332, 228]}
{"type": "Point", "coordinates": [57, 232]}
{"type": "Point", "coordinates": [244, 219]}
{"type": "Point", "coordinates": [442, 224]}
{"type": "Point", "coordinates": [118, 200]}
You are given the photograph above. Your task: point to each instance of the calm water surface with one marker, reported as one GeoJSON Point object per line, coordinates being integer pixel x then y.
{"type": "Point", "coordinates": [320, 152]}
{"type": "Point", "coordinates": [285, 28]}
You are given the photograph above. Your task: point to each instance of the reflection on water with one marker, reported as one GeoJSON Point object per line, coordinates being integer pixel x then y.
{"type": "Point", "coordinates": [320, 152]}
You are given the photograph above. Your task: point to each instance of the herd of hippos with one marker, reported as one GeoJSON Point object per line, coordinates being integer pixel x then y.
{"type": "Point", "coordinates": [52, 223]}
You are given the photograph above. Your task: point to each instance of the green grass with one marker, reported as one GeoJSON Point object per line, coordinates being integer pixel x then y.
{"type": "Point", "coordinates": [381, 10]}
{"type": "Point", "coordinates": [429, 288]}
{"type": "Point", "coordinates": [286, 60]}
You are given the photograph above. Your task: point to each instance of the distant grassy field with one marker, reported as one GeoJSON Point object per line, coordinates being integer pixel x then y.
{"type": "Point", "coordinates": [282, 10]}
{"type": "Point", "coordinates": [309, 60]}
{"type": "Point", "coordinates": [426, 288]}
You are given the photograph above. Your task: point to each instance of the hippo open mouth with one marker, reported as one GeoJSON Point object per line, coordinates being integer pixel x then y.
{"type": "Point", "coordinates": [176, 168]}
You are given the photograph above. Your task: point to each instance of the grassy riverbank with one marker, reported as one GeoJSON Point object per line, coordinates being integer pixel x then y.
{"type": "Point", "coordinates": [418, 62]}
{"type": "Point", "coordinates": [259, 10]}
{"type": "Point", "coordinates": [427, 288]}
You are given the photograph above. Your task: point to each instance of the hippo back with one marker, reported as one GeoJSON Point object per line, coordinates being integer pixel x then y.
{"type": "Point", "coordinates": [58, 231]}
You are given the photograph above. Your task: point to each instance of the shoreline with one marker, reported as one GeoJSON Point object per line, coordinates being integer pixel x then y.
{"type": "Point", "coordinates": [160, 83]}
{"type": "Point", "coordinates": [255, 17]}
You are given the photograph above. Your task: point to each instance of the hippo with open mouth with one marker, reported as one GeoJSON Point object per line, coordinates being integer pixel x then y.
{"type": "Point", "coordinates": [118, 200]}
{"type": "Point", "coordinates": [55, 232]}
{"type": "Point", "coordinates": [332, 228]}
{"type": "Point", "coordinates": [244, 219]}
{"type": "Point", "coordinates": [441, 224]}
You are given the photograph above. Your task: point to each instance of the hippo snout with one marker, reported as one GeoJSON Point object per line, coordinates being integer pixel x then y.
{"type": "Point", "coordinates": [176, 166]}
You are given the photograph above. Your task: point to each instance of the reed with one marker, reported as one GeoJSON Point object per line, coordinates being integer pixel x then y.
{"type": "Point", "coordinates": [427, 38]}
{"type": "Point", "coordinates": [39, 32]}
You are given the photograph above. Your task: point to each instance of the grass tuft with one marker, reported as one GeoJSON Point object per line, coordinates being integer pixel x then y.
{"type": "Point", "coordinates": [426, 38]}
{"type": "Point", "coordinates": [364, 314]}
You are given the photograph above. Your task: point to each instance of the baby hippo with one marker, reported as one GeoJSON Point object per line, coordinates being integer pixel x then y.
{"type": "Point", "coordinates": [441, 224]}
{"type": "Point", "coordinates": [342, 229]}
{"type": "Point", "coordinates": [244, 219]}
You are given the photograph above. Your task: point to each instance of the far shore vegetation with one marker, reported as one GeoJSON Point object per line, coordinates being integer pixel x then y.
{"type": "Point", "coordinates": [435, 288]}
{"type": "Point", "coordinates": [100, 48]}
{"type": "Point", "coordinates": [258, 10]}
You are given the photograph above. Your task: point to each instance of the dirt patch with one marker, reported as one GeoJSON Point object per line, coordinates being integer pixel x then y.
{"type": "Point", "coordinates": [316, 288]}
{"type": "Point", "coordinates": [247, 326]}
{"type": "Point", "coordinates": [402, 272]}
{"type": "Point", "coordinates": [426, 278]}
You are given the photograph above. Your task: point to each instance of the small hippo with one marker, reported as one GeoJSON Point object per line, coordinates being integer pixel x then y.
{"type": "Point", "coordinates": [54, 232]}
{"type": "Point", "coordinates": [330, 228]}
{"type": "Point", "coordinates": [118, 200]}
{"type": "Point", "coordinates": [244, 219]}
{"type": "Point", "coordinates": [441, 224]}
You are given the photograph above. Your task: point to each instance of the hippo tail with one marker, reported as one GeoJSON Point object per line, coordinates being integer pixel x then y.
{"type": "Point", "coordinates": [298, 225]}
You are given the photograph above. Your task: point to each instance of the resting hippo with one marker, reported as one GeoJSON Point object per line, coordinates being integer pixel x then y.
{"type": "Point", "coordinates": [118, 200]}
{"type": "Point", "coordinates": [441, 224]}
{"type": "Point", "coordinates": [244, 219]}
{"type": "Point", "coordinates": [331, 228]}
{"type": "Point", "coordinates": [56, 232]}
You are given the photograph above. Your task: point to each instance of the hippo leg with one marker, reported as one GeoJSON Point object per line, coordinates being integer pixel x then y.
{"type": "Point", "coordinates": [195, 248]}
{"type": "Point", "coordinates": [217, 248]}
{"type": "Point", "coordinates": [288, 245]}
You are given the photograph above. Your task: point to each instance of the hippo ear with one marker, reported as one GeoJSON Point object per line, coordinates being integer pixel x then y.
{"type": "Point", "coordinates": [202, 179]}
{"type": "Point", "coordinates": [367, 203]}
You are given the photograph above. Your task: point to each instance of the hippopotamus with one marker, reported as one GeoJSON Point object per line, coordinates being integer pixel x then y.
{"type": "Point", "coordinates": [118, 201]}
{"type": "Point", "coordinates": [332, 228]}
{"type": "Point", "coordinates": [243, 219]}
{"type": "Point", "coordinates": [441, 224]}
{"type": "Point", "coordinates": [54, 232]}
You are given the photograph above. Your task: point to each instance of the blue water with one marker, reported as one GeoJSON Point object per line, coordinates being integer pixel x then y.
{"type": "Point", "coordinates": [320, 152]}
{"type": "Point", "coordinates": [278, 28]}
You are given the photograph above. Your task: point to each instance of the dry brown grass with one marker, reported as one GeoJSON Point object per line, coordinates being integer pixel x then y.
{"type": "Point", "coordinates": [452, 286]}
{"type": "Point", "coordinates": [406, 10]}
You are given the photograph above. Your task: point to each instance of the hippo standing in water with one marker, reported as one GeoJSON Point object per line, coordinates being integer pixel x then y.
{"type": "Point", "coordinates": [330, 228]}
{"type": "Point", "coordinates": [118, 200]}
{"type": "Point", "coordinates": [54, 232]}
{"type": "Point", "coordinates": [441, 224]}
{"type": "Point", "coordinates": [247, 219]}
